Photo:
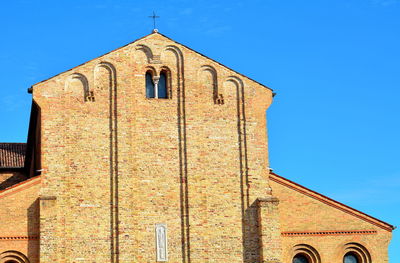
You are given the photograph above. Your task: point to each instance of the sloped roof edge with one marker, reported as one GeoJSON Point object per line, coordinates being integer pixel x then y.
{"type": "Point", "coordinates": [143, 38]}
{"type": "Point", "coordinates": [20, 186]}
{"type": "Point", "coordinates": [329, 201]}
{"type": "Point", "coordinates": [217, 62]}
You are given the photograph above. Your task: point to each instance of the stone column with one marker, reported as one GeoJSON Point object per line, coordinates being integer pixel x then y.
{"type": "Point", "coordinates": [156, 79]}
{"type": "Point", "coordinates": [269, 226]}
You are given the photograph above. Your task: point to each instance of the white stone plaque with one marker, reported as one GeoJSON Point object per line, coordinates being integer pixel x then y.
{"type": "Point", "coordinates": [161, 242]}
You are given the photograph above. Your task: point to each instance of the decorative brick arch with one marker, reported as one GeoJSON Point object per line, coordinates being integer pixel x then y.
{"type": "Point", "coordinates": [87, 93]}
{"type": "Point", "coordinates": [147, 51]}
{"type": "Point", "coordinates": [110, 74]}
{"type": "Point", "coordinates": [308, 251]}
{"type": "Point", "coordinates": [13, 256]}
{"type": "Point", "coordinates": [217, 93]}
{"type": "Point", "coordinates": [356, 249]}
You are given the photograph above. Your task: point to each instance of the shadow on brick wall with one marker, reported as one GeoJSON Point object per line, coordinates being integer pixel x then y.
{"type": "Point", "coordinates": [33, 232]}
{"type": "Point", "coordinates": [251, 239]}
{"type": "Point", "coordinates": [250, 229]}
{"type": "Point", "coordinates": [17, 177]}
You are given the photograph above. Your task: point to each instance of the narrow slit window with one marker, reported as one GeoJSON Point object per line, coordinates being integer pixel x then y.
{"type": "Point", "coordinates": [162, 86]}
{"type": "Point", "coordinates": [149, 85]}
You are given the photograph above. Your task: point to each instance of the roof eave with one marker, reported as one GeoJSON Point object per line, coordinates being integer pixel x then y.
{"type": "Point", "coordinates": [373, 220]}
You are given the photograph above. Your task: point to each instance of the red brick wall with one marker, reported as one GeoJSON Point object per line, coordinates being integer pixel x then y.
{"type": "Point", "coordinates": [19, 215]}
{"type": "Point", "coordinates": [325, 225]}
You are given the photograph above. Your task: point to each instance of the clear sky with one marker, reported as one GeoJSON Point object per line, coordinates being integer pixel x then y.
{"type": "Point", "coordinates": [334, 125]}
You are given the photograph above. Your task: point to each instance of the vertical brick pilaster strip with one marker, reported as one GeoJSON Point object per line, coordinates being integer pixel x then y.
{"type": "Point", "coordinates": [184, 181]}
{"type": "Point", "coordinates": [182, 142]}
{"type": "Point", "coordinates": [249, 212]}
{"type": "Point", "coordinates": [270, 234]}
{"type": "Point", "coordinates": [113, 123]}
{"type": "Point", "coordinates": [242, 142]}
{"type": "Point", "coordinates": [48, 229]}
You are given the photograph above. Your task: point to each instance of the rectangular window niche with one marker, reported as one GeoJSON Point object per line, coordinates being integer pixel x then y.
{"type": "Point", "coordinates": [161, 242]}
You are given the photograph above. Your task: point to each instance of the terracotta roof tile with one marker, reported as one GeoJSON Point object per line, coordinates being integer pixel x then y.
{"type": "Point", "coordinates": [12, 155]}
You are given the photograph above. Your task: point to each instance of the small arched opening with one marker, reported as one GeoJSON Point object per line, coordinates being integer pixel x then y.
{"type": "Point", "coordinates": [301, 258]}
{"type": "Point", "coordinates": [163, 85]}
{"type": "Point", "coordinates": [303, 253]}
{"type": "Point", "coordinates": [149, 85]}
{"type": "Point", "coordinates": [355, 253]}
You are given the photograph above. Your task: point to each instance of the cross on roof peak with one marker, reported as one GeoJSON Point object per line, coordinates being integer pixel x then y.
{"type": "Point", "coordinates": [154, 17]}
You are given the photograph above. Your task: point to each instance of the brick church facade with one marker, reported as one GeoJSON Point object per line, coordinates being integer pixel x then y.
{"type": "Point", "coordinates": [156, 153]}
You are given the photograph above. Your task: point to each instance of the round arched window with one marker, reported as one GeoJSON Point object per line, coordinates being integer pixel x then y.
{"type": "Point", "coordinates": [350, 258]}
{"type": "Point", "coordinates": [299, 258]}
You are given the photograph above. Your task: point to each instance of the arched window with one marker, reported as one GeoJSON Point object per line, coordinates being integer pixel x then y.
{"type": "Point", "coordinates": [350, 258]}
{"type": "Point", "coordinates": [149, 85]}
{"type": "Point", "coordinates": [12, 256]}
{"type": "Point", "coordinates": [162, 86]}
{"type": "Point", "coordinates": [157, 86]}
{"type": "Point", "coordinates": [355, 253]}
{"type": "Point", "coordinates": [300, 258]}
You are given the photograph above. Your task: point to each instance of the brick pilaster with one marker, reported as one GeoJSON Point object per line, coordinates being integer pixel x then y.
{"type": "Point", "coordinates": [48, 233]}
{"type": "Point", "coordinates": [270, 234]}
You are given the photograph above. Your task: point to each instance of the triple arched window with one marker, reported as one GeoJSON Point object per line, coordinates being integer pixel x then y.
{"type": "Point", "coordinates": [157, 86]}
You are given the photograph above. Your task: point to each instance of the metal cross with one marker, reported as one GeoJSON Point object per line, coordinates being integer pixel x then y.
{"type": "Point", "coordinates": [154, 16]}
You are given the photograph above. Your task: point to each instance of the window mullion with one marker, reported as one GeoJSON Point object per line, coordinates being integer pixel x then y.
{"type": "Point", "coordinates": [156, 79]}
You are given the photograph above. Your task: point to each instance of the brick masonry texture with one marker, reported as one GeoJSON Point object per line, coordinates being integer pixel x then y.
{"type": "Point", "coordinates": [19, 214]}
{"type": "Point", "coordinates": [115, 164]}
{"type": "Point", "coordinates": [329, 227]}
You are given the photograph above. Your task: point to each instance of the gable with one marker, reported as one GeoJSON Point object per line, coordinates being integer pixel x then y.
{"type": "Point", "coordinates": [153, 58]}
{"type": "Point", "coordinates": [298, 195]}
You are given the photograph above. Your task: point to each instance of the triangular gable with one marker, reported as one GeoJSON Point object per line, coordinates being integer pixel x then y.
{"type": "Point", "coordinates": [326, 200]}
{"type": "Point", "coordinates": [153, 33]}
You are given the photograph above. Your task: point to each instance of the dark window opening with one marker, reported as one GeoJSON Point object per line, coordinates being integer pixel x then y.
{"type": "Point", "coordinates": [149, 85]}
{"type": "Point", "coordinates": [162, 86]}
{"type": "Point", "coordinates": [300, 259]}
{"type": "Point", "coordinates": [350, 258]}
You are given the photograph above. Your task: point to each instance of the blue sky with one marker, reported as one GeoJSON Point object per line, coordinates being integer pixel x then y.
{"type": "Point", "coordinates": [334, 125]}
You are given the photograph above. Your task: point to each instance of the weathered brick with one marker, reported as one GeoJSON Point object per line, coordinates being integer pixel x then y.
{"type": "Point", "coordinates": [116, 163]}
